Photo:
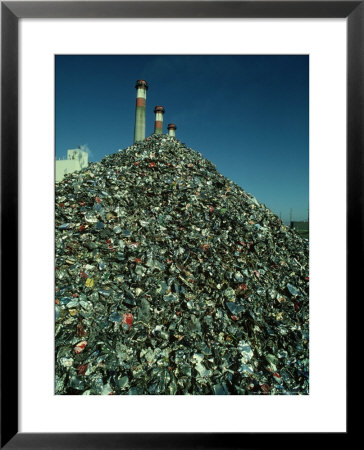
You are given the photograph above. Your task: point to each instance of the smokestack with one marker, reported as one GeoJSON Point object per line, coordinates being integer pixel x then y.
{"type": "Point", "coordinates": [158, 124]}
{"type": "Point", "coordinates": [139, 131]}
{"type": "Point", "coordinates": [172, 129]}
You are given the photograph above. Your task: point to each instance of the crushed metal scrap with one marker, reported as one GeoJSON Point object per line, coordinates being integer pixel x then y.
{"type": "Point", "coordinates": [171, 279]}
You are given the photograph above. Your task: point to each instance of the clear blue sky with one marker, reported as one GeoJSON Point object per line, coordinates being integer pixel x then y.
{"type": "Point", "coordinates": [247, 114]}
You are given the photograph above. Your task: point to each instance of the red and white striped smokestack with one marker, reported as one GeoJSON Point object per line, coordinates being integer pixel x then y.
{"type": "Point", "coordinates": [158, 124]}
{"type": "Point", "coordinates": [139, 130]}
{"type": "Point", "coordinates": [172, 129]}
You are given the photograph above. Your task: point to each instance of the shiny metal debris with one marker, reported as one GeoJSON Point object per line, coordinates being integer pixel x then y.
{"type": "Point", "coordinates": [172, 280]}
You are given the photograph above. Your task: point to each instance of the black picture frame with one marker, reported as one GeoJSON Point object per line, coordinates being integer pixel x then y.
{"type": "Point", "coordinates": [11, 12]}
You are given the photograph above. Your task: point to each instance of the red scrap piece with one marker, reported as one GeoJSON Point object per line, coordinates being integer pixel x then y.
{"type": "Point", "coordinates": [234, 318]}
{"type": "Point", "coordinates": [83, 275]}
{"type": "Point", "coordinates": [276, 374]}
{"type": "Point", "coordinates": [265, 388]}
{"type": "Point", "coordinates": [97, 200]}
{"type": "Point", "coordinates": [74, 295]}
{"type": "Point", "coordinates": [57, 301]}
{"type": "Point", "coordinates": [108, 241]}
{"type": "Point", "coordinates": [169, 261]}
{"type": "Point", "coordinates": [205, 247]}
{"type": "Point", "coordinates": [178, 313]}
{"type": "Point", "coordinates": [80, 347]}
{"type": "Point", "coordinates": [82, 227]}
{"type": "Point", "coordinates": [211, 208]}
{"type": "Point", "coordinates": [81, 369]}
{"type": "Point", "coordinates": [243, 287]}
{"type": "Point", "coordinates": [296, 306]}
{"type": "Point", "coordinates": [152, 164]}
{"type": "Point", "coordinates": [136, 163]}
{"type": "Point", "coordinates": [137, 260]}
{"type": "Point", "coordinates": [256, 273]}
{"type": "Point", "coordinates": [307, 278]}
{"type": "Point", "coordinates": [128, 319]}
{"type": "Point", "coordinates": [61, 205]}
{"type": "Point", "coordinates": [81, 203]}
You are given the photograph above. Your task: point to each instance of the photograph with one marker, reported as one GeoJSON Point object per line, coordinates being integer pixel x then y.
{"type": "Point", "coordinates": [181, 224]}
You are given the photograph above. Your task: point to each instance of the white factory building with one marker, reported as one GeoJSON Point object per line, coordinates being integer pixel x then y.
{"type": "Point", "coordinates": [77, 159]}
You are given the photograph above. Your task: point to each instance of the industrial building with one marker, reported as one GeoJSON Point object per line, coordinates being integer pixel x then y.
{"type": "Point", "coordinates": [302, 227]}
{"type": "Point", "coordinates": [140, 114]}
{"type": "Point", "coordinates": [77, 159]}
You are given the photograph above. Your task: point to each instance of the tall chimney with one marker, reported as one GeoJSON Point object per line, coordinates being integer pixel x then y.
{"type": "Point", "coordinates": [139, 131]}
{"type": "Point", "coordinates": [158, 124]}
{"type": "Point", "coordinates": [172, 129]}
